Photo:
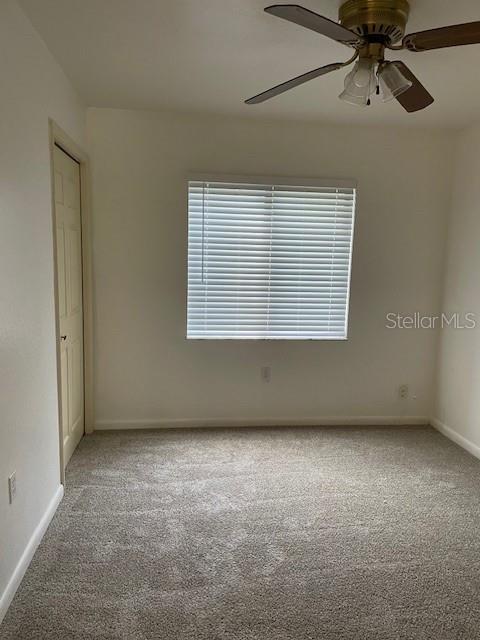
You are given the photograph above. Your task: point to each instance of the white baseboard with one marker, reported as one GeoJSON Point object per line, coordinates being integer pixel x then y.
{"type": "Point", "coordinates": [17, 576]}
{"type": "Point", "coordinates": [456, 437]}
{"type": "Point", "coordinates": [188, 423]}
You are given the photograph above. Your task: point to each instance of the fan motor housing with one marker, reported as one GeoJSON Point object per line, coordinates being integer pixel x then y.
{"type": "Point", "coordinates": [381, 21]}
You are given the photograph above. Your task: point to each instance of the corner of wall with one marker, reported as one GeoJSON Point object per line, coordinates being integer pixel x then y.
{"type": "Point", "coordinates": [453, 365]}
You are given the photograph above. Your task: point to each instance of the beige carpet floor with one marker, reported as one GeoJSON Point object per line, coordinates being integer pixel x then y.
{"type": "Point", "coordinates": [260, 534]}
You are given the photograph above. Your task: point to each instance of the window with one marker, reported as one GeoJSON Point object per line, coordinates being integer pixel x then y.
{"type": "Point", "coordinates": [269, 259]}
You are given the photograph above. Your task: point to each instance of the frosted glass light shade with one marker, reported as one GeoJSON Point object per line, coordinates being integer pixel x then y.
{"type": "Point", "coordinates": [392, 82]}
{"type": "Point", "coordinates": [360, 83]}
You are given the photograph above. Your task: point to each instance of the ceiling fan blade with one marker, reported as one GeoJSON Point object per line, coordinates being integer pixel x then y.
{"type": "Point", "coordinates": [294, 82]}
{"type": "Point", "coordinates": [417, 97]}
{"type": "Point", "coordinates": [306, 18]}
{"type": "Point", "coordinates": [453, 36]}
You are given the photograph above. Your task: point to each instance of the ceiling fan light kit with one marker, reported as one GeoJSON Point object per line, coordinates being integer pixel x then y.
{"type": "Point", "coordinates": [372, 27]}
{"type": "Point", "coordinates": [366, 79]}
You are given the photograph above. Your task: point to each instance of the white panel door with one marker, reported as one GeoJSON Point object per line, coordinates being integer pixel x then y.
{"type": "Point", "coordinates": [70, 306]}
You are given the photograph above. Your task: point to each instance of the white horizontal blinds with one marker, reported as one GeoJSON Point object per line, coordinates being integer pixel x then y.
{"type": "Point", "coordinates": [268, 261]}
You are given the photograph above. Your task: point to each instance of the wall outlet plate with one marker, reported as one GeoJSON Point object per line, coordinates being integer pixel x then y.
{"type": "Point", "coordinates": [403, 391]}
{"type": "Point", "coordinates": [12, 487]}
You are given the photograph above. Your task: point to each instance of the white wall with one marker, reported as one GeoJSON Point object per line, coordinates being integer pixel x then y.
{"type": "Point", "coordinates": [145, 370]}
{"type": "Point", "coordinates": [458, 396]}
{"type": "Point", "coordinates": [33, 88]}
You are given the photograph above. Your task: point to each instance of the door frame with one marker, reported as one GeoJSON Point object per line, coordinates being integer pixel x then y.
{"type": "Point", "coordinates": [61, 139]}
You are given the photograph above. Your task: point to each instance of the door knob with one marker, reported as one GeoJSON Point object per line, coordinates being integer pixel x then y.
{"type": "Point", "coordinates": [63, 337]}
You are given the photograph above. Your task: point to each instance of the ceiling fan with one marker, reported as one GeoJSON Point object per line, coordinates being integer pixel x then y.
{"type": "Point", "coordinates": [370, 27]}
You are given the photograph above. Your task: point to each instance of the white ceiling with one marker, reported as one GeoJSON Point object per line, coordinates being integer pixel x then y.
{"type": "Point", "coordinates": [209, 55]}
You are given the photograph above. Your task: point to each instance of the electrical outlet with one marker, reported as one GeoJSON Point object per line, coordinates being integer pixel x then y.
{"type": "Point", "coordinates": [12, 487]}
{"type": "Point", "coordinates": [403, 391]}
{"type": "Point", "coordinates": [266, 373]}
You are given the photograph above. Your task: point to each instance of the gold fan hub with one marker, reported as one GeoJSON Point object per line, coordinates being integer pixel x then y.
{"type": "Point", "coordinates": [376, 20]}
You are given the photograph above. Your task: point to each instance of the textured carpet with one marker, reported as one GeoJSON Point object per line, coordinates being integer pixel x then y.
{"type": "Point", "coordinates": [268, 534]}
